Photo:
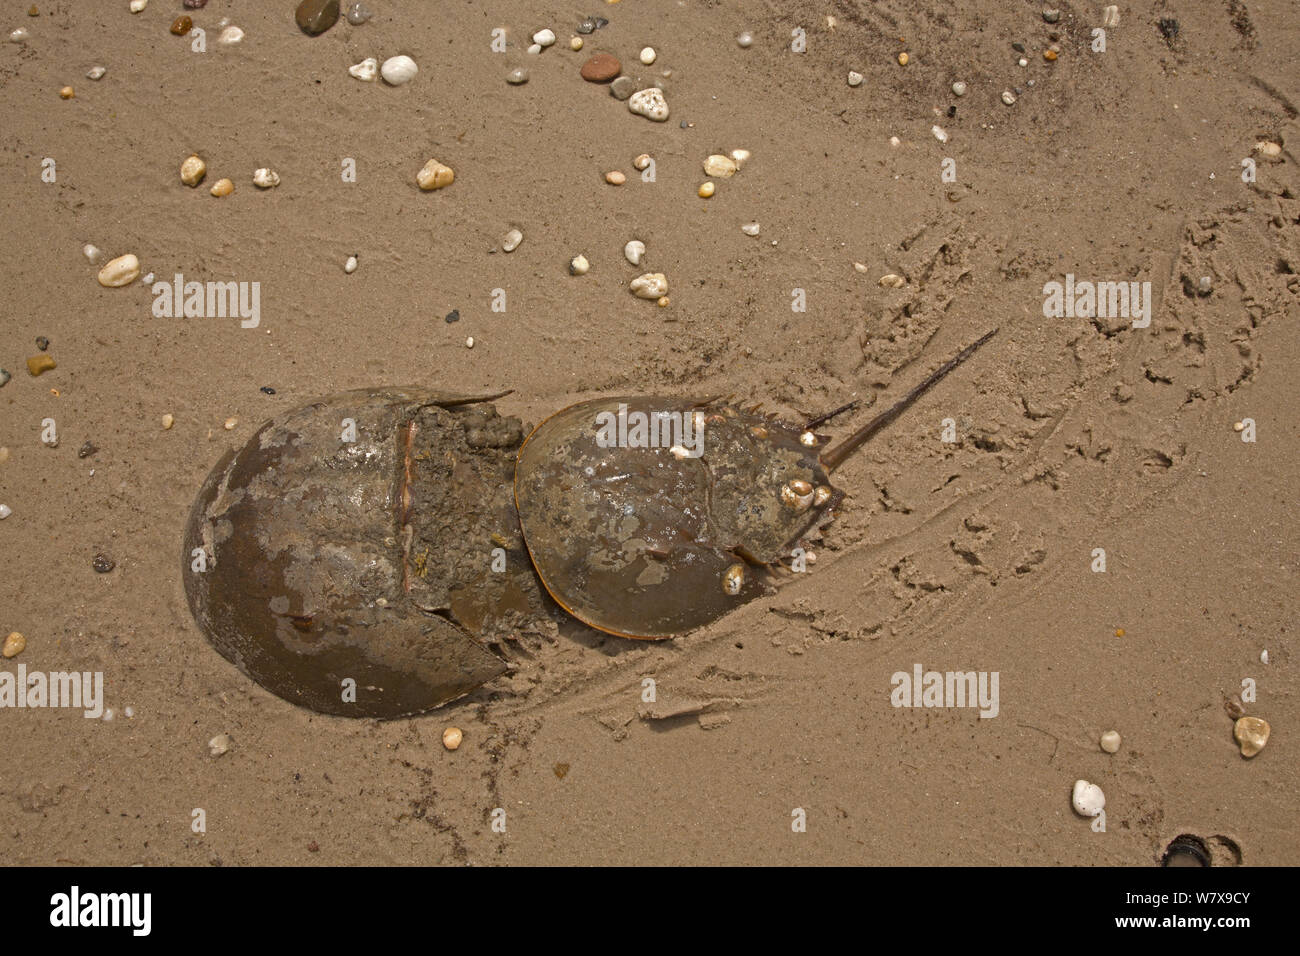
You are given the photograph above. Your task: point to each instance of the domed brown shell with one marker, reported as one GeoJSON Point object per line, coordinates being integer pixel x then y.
{"type": "Point", "coordinates": [639, 539]}
{"type": "Point", "coordinates": [370, 561]}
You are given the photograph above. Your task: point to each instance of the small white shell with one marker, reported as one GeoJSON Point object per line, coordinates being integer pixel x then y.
{"type": "Point", "coordinates": [750, 229]}
{"type": "Point", "coordinates": [740, 157]}
{"type": "Point", "coordinates": [366, 71]}
{"type": "Point", "coordinates": [579, 266]}
{"type": "Point", "coordinates": [634, 251]}
{"type": "Point", "coordinates": [265, 178]}
{"type": "Point", "coordinates": [512, 239]}
{"type": "Point", "coordinates": [1087, 798]}
{"type": "Point", "coordinates": [398, 70]}
{"type": "Point", "coordinates": [96, 73]}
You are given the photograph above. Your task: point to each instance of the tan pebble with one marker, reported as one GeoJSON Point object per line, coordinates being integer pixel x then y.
{"type": "Point", "coordinates": [1268, 149]}
{"type": "Point", "coordinates": [615, 178]}
{"type": "Point", "coordinates": [4, 455]}
{"type": "Point", "coordinates": [903, 59]}
{"type": "Point", "coordinates": [168, 420]}
{"type": "Point", "coordinates": [222, 187]}
{"type": "Point", "coordinates": [892, 281]}
{"type": "Point", "coordinates": [119, 272]}
{"type": "Point", "coordinates": [662, 302]}
{"type": "Point", "coordinates": [193, 170]}
{"type": "Point", "coordinates": [1251, 732]}
{"type": "Point", "coordinates": [860, 267]}
{"type": "Point", "coordinates": [1110, 741]}
{"type": "Point", "coordinates": [705, 190]}
{"type": "Point", "coordinates": [642, 161]}
{"type": "Point", "coordinates": [1239, 426]}
{"type": "Point", "coordinates": [40, 363]}
{"type": "Point", "coordinates": [219, 745]}
{"type": "Point", "coordinates": [451, 738]}
{"type": "Point", "coordinates": [67, 93]}
{"type": "Point", "coordinates": [575, 43]}
{"type": "Point", "coordinates": [724, 167]}
{"type": "Point", "coordinates": [230, 423]}
{"type": "Point", "coordinates": [740, 157]}
{"type": "Point", "coordinates": [14, 644]}
{"type": "Point", "coordinates": [434, 175]}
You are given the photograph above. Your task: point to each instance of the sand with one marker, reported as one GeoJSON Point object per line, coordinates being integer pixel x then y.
{"type": "Point", "coordinates": [1072, 434]}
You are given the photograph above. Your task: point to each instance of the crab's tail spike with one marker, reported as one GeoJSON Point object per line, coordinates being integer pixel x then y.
{"type": "Point", "coordinates": [823, 419]}
{"type": "Point", "coordinates": [836, 456]}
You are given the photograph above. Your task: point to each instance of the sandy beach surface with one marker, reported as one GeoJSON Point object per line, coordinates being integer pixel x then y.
{"type": "Point", "coordinates": [970, 536]}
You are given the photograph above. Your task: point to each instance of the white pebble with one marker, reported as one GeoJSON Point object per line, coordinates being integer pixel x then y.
{"type": "Point", "coordinates": [634, 251]}
{"type": "Point", "coordinates": [128, 711]}
{"type": "Point", "coordinates": [750, 229]}
{"type": "Point", "coordinates": [138, 5]}
{"type": "Point", "coordinates": [544, 38]}
{"type": "Point", "coordinates": [1263, 656]}
{"type": "Point", "coordinates": [652, 285]}
{"type": "Point", "coordinates": [535, 49]}
{"type": "Point", "coordinates": [512, 239]}
{"type": "Point", "coordinates": [579, 266]}
{"type": "Point", "coordinates": [108, 714]}
{"type": "Point", "coordinates": [1023, 62]}
{"type": "Point", "coordinates": [745, 40]}
{"type": "Point", "coordinates": [649, 103]}
{"type": "Point", "coordinates": [895, 142]}
{"type": "Point", "coordinates": [740, 157]}
{"type": "Point", "coordinates": [5, 512]}
{"type": "Point", "coordinates": [860, 267]}
{"type": "Point", "coordinates": [147, 279]}
{"type": "Point", "coordinates": [219, 744]}
{"type": "Point", "coordinates": [469, 342]}
{"type": "Point", "coordinates": [398, 70]}
{"type": "Point", "coordinates": [721, 167]}
{"type": "Point", "coordinates": [265, 178]}
{"type": "Point", "coordinates": [1008, 97]}
{"type": "Point", "coordinates": [855, 78]}
{"type": "Point", "coordinates": [642, 161]}
{"type": "Point", "coordinates": [96, 73]}
{"type": "Point", "coordinates": [230, 36]}
{"type": "Point", "coordinates": [939, 133]}
{"type": "Point", "coordinates": [1087, 798]}
{"type": "Point", "coordinates": [19, 36]}
{"type": "Point", "coordinates": [1110, 741]}
{"type": "Point", "coordinates": [351, 265]}
{"type": "Point", "coordinates": [959, 88]}
{"type": "Point", "coordinates": [91, 252]}
{"type": "Point", "coordinates": [366, 71]}
{"type": "Point", "coordinates": [648, 55]}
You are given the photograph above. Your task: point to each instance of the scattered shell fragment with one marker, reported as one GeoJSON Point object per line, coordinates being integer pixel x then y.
{"type": "Point", "coordinates": [230, 36]}
{"type": "Point", "coordinates": [517, 77]}
{"type": "Point", "coordinates": [96, 73]}
{"type": "Point", "coordinates": [544, 38]}
{"type": "Point", "coordinates": [434, 175]}
{"type": "Point", "coordinates": [20, 35]}
{"type": "Point", "coordinates": [1110, 16]}
{"type": "Point", "coordinates": [855, 78]}
{"type": "Point", "coordinates": [222, 187]}
{"type": "Point", "coordinates": [1110, 741]}
{"type": "Point", "coordinates": [265, 178]}
{"type": "Point", "coordinates": [351, 265]}
{"type": "Point", "coordinates": [892, 281]}
{"type": "Point", "coordinates": [511, 240]}
{"type": "Point", "coordinates": [193, 170]}
{"type": "Point", "coordinates": [649, 103]}
{"type": "Point", "coordinates": [14, 644]}
{"type": "Point", "coordinates": [733, 579]}
{"type": "Point", "coordinates": [750, 229]}
{"type": "Point", "coordinates": [1022, 62]}
{"type": "Point", "coordinates": [706, 190]}
{"type": "Point", "coordinates": [451, 738]}
{"type": "Point", "coordinates": [642, 161]}
{"type": "Point", "coordinates": [647, 55]}
{"type": "Point", "coordinates": [724, 167]}
{"type": "Point", "coordinates": [1263, 656]}
{"type": "Point", "coordinates": [67, 93]}
{"type": "Point", "coordinates": [579, 266]}
{"type": "Point", "coordinates": [398, 70]}
{"type": "Point", "coordinates": [230, 423]}
{"type": "Point", "coordinates": [168, 421]}
{"type": "Point", "coordinates": [1008, 97]}
{"type": "Point", "coordinates": [740, 157]}
{"type": "Point", "coordinates": [634, 251]}
{"type": "Point", "coordinates": [1251, 733]}
{"type": "Point", "coordinates": [366, 71]}
{"type": "Point", "coordinates": [119, 272]}
{"type": "Point", "coordinates": [662, 302]}
{"type": "Point", "coordinates": [1051, 15]}
{"type": "Point", "coordinates": [651, 285]}
{"type": "Point", "coordinates": [39, 364]}
{"type": "Point", "coordinates": [1087, 798]}
{"type": "Point", "coordinates": [219, 745]}
{"type": "Point", "coordinates": [959, 88]}
{"type": "Point", "coordinates": [940, 133]}
{"type": "Point", "coordinates": [615, 177]}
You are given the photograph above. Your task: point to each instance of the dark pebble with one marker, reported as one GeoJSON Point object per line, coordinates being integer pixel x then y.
{"type": "Point", "coordinates": [267, 390]}
{"type": "Point", "coordinates": [600, 22]}
{"type": "Point", "coordinates": [4, 377]}
{"type": "Point", "coordinates": [313, 847]}
{"type": "Point", "coordinates": [1169, 29]}
{"type": "Point", "coordinates": [1051, 16]}
{"type": "Point", "coordinates": [1018, 47]}
{"type": "Point", "coordinates": [587, 26]}
{"type": "Point", "coordinates": [42, 342]}
{"type": "Point", "coordinates": [952, 111]}
{"type": "Point", "coordinates": [86, 450]}
{"type": "Point", "coordinates": [314, 17]}
{"type": "Point", "coordinates": [103, 563]}
{"type": "Point", "coordinates": [453, 316]}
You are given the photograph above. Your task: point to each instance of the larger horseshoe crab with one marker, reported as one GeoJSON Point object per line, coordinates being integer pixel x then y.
{"type": "Point", "coordinates": [339, 557]}
{"type": "Point", "coordinates": [647, 517]}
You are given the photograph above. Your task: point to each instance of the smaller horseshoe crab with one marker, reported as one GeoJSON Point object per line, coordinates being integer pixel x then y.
{"type": "Point", "coordinates": [338, 558]}
{"type": "Point", "coordinates": [645, 537]}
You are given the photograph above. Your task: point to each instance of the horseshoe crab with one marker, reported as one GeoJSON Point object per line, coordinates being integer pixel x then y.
{"type": "Point", "coordinates": [635, 532]}
{"type": "Point", "coordinates": [340, 558]}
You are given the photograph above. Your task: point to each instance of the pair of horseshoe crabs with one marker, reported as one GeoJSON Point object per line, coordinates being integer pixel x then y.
{"type": "Point", "coordinates": [359, 554]}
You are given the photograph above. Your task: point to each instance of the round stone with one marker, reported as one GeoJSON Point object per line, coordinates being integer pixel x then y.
{"type": "Point", "coordinates": [959, 88]}
{"type": "Point", "coordinates": [648, 55]}
{"type": "Point", "coordinates": [855, 78]}
{"type": "Point", "coordinates": [745, 40]}
{"type": "Point", "coordinates": [516, 77]}
{"type": "Point", "coordinates": [622, 88]}
{"type": "Point", "coordinates": [544, 38]}
{"type": "Point", "coordinates": [314, 17]}
{"type": "Point", "coordinates": [601, 68]}
{"type": "Point", "coordinates": [398, 70]}
{"type": "Point", "coordinates": [1110, 741]}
